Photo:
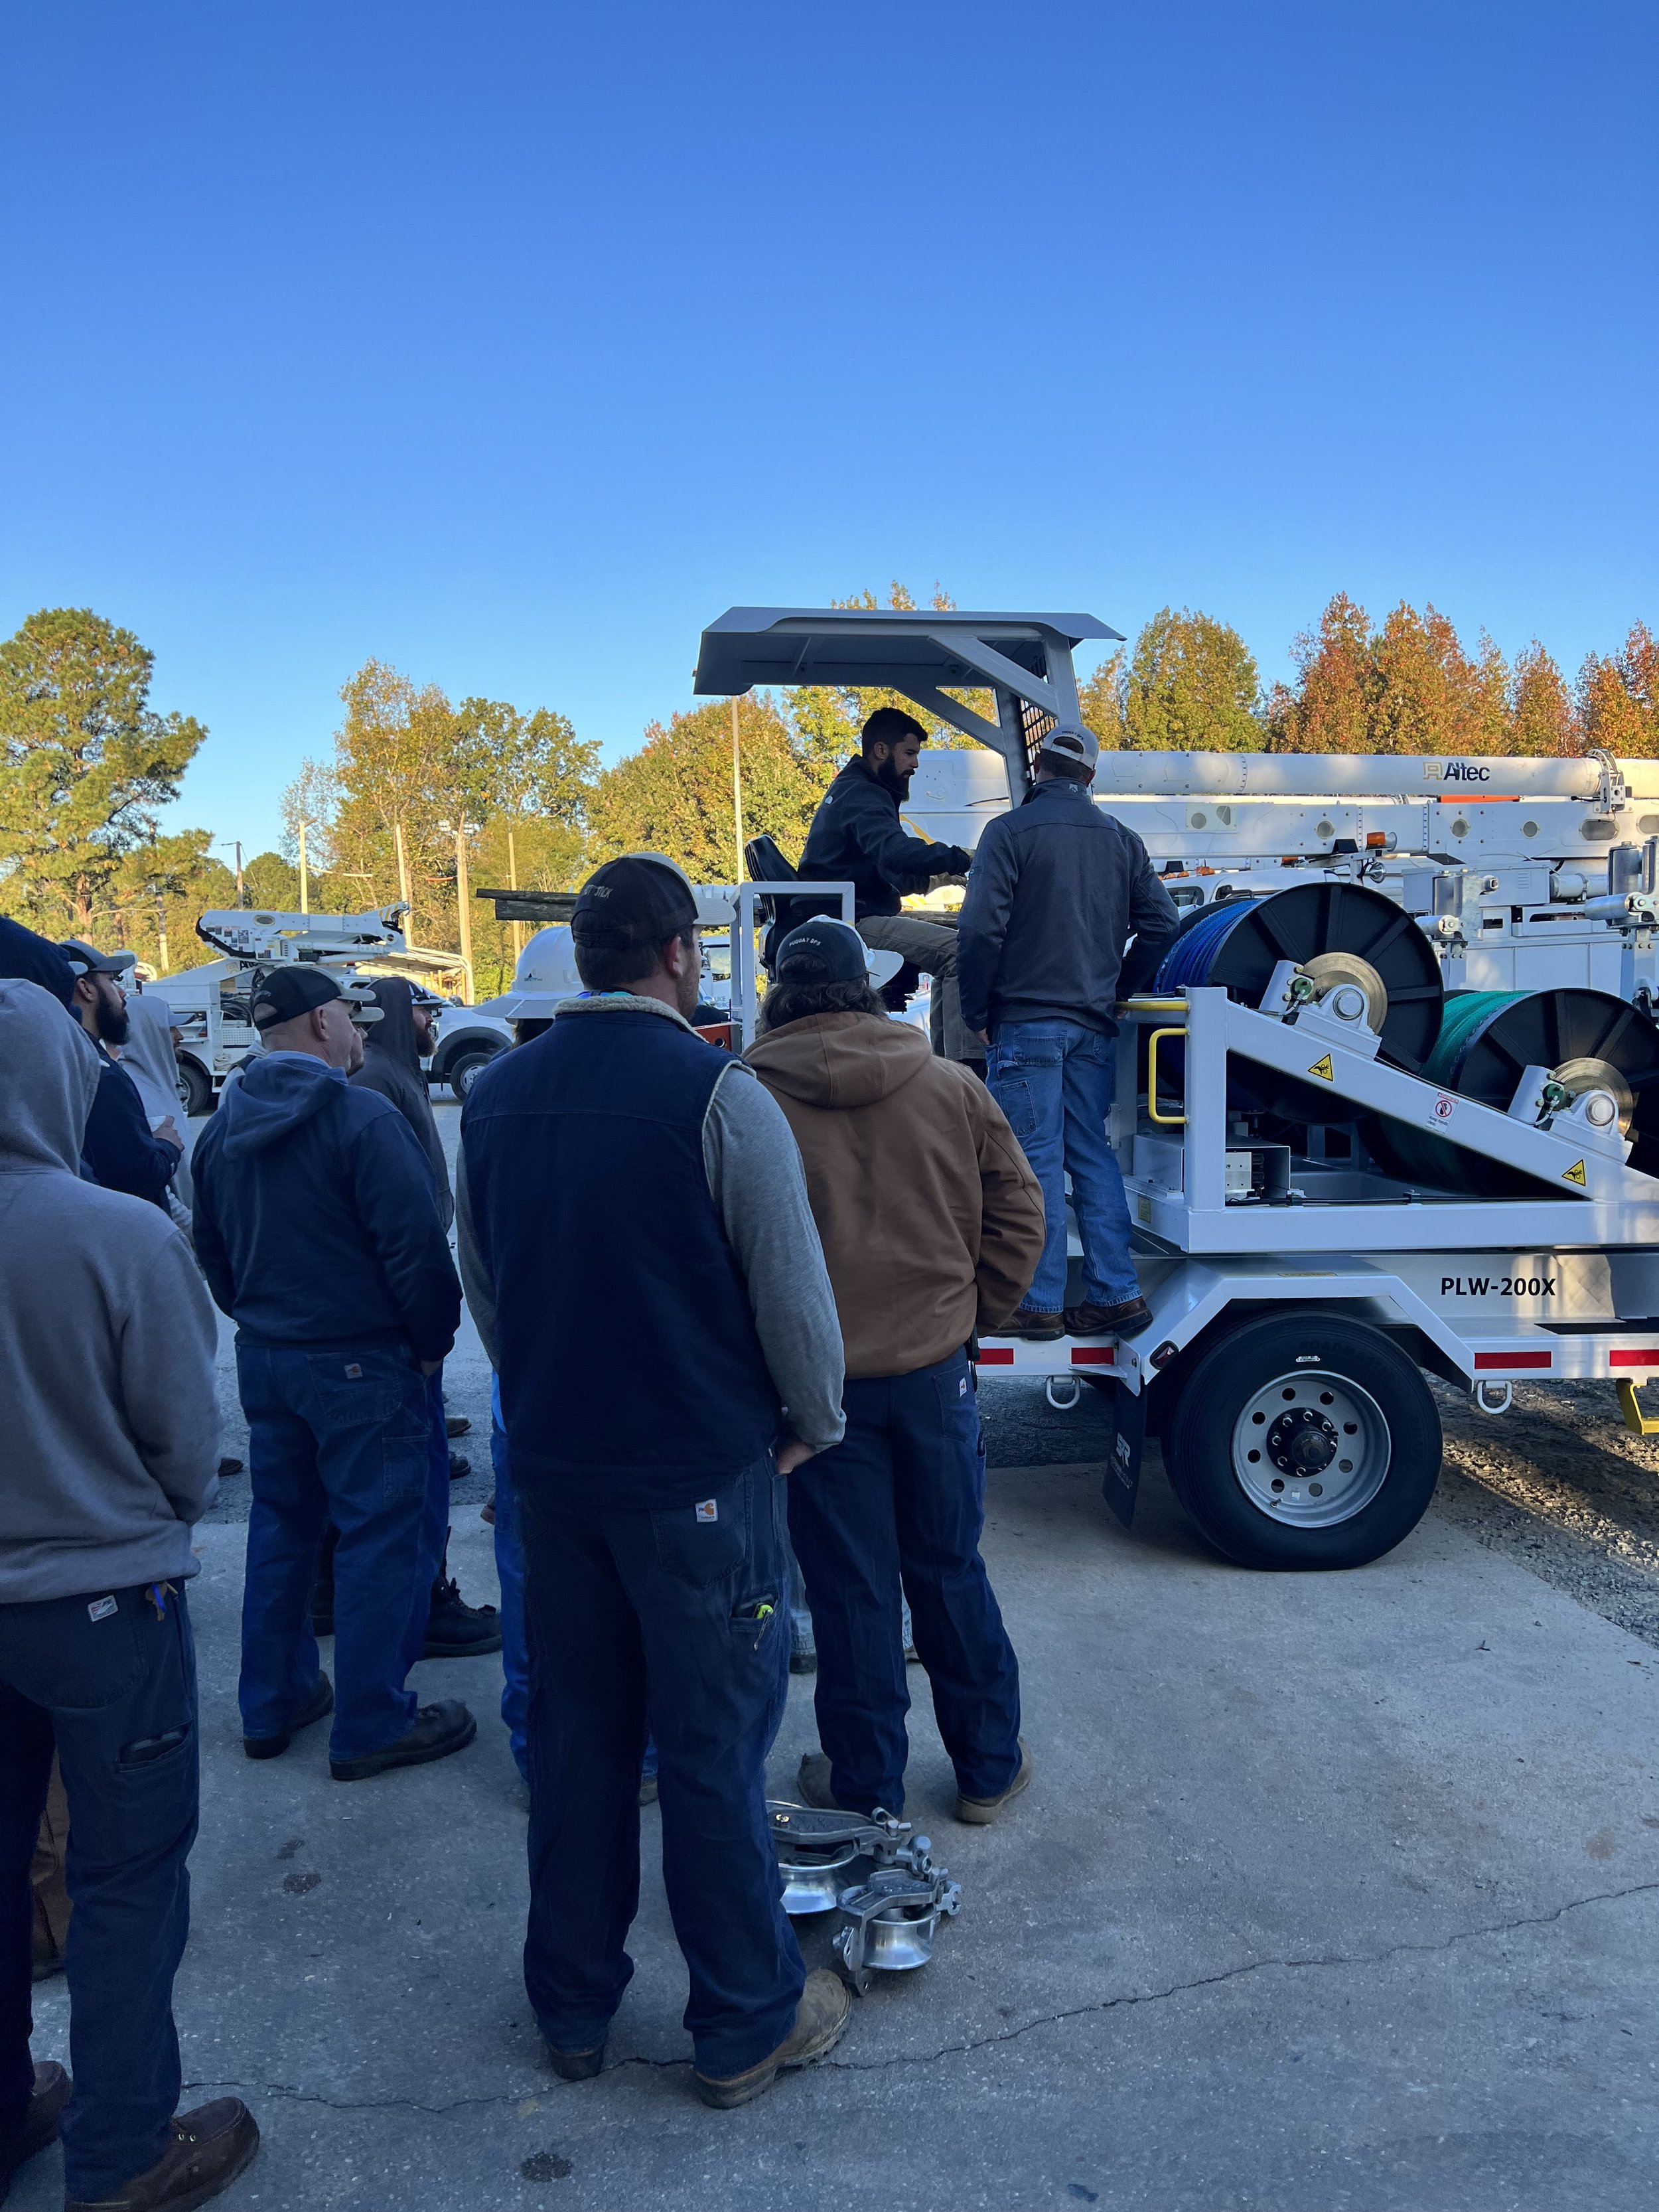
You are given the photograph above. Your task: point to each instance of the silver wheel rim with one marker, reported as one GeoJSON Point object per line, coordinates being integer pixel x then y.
{"type": "Point", "coordinates": [1311, 1448]}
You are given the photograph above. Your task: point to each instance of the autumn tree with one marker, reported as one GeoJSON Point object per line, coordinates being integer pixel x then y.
{"type": "Point", "coordinates": [1541, 719]}
{"type": "Point", "coordinates": [1328, 710]}
{"type": "Point", "coordinates": [86, 764]}
{"type": "Point", "coordinates": [1100, 700]}
{"type": "Point", "coordinates": [1191, 686]}
{"type": "Point", "coordinates": [1428, 694]}
{"type": "Point", "coordinates": [1619, 697]}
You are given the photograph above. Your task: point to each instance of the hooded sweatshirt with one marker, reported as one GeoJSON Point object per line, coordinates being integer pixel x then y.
{"type": "Point", "coordinates": [119, 1150]}
{"type": "Point", "coordinates": [392, 1066]}
{"type": "Point", "coordinates": [931, 1220]}
{"type": "Point", "coordinates": [316, 1224]}
{"type": "Point", "coordinates": [107, 1404]}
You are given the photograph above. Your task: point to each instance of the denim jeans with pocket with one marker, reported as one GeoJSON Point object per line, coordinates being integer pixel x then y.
{"type": "Point", "coordinates": [1055, 1081]}
{"type": "Point", "coordinates": [677, 1621]}
{"type": "Point", "coordinates": [108, 1680]}
{"type": "Point", "coordinates": [344, 1438]}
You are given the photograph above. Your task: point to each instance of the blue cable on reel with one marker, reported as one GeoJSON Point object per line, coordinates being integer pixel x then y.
{"type": "Point", "coordinates": [1186, 963]}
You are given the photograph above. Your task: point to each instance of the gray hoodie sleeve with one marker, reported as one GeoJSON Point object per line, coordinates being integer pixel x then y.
{"type": "Point", "coordinates": [754, 1177]}
{"type": "Point", "coordinates": [474, 1278]}
{"type": "Point", "coordinates": [169, 1342]}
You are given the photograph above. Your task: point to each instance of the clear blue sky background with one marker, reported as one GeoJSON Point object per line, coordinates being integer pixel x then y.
{"type": "Point", "coordinates": [511, 342]}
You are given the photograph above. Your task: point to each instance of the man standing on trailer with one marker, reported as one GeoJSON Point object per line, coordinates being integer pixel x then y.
{"type": "Point", "coordinates": [856, 837]}
{"type": "Point", "coordinates": [1064, 916]}
{"type": "Point", "coordinates": [640, 1261]}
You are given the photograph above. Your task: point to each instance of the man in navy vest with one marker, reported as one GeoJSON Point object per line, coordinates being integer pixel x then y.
{"type": "Point", "coordinates": [642, 1265]}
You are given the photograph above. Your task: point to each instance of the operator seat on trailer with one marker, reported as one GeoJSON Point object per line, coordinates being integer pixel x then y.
{"type": "Point", "coordinates": [767, 864]}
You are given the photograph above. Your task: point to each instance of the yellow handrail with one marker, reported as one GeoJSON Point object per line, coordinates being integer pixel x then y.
{"type": "Point", "coordinates": [1169, 1120]}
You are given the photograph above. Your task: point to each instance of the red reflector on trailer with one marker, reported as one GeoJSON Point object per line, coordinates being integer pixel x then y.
{"type": "Point", "coordinates": [1515, 1358]}
{"type": "Point", "coordinates": [1092, 1355]}
{"type": "Point", "coordinates": [996, 1355]}
{"type": "Point", "coordinates": [1633, 1359]}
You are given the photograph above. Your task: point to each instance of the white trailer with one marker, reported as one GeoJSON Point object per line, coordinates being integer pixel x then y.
{"type": "Point", "coordinates": [1342, 1179]}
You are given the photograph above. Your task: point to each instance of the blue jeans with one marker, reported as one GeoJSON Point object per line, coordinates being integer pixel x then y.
{"type": "Point", "coordinates": [509, 1571]}
{"type": "Point", "coordinates": [678, 1620]}
{"type": "Point", "coordinates": [1055, 1081]}
{"type": "Point", "coordinates": [117, 1698]}
{"type": "Point", "coordinates": [344, 1438]}
{"type": "Point", "coordinates": [896, 1511]}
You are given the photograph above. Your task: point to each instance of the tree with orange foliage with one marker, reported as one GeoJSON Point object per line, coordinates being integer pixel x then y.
{"type": "Point", "coordinates": [1540, 710]}
{"type": "Point", "coordinates": [1619, 697]}
{"type": "Point", "coordinates": [1329, 709]}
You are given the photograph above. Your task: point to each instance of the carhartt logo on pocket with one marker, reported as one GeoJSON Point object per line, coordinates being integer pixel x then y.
{"type": "Point", "coordinates": [962, 1388]}
{"type": "Point", "coordinates": [708, 1510]}
{"type": "Point", "coordinates": [354, 1373]}
{"type": "Point", "coordinates": [101, 1608]}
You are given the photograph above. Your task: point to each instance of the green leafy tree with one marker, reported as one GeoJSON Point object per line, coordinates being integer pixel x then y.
{"type": "Point", "coordinates": [1100, 698]}
{"type": "Point", "coordinates": [825, 721]}
{"type": "Point", "coordinates": [674, 795]}
{"type": "Point", "coordinates": [86, 764]}
{"type": "Point", "coordinates": [1192, 686]}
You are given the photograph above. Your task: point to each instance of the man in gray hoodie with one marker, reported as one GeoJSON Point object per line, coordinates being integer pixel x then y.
{"type": "Point", "coordinates": [106, 1354]}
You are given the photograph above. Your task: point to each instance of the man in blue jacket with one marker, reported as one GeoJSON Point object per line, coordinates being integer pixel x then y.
{"type": "Point", "coordinates": [1064, 916]}
{"type": "Point", "coordinates": [317, 1229]}
{"type": "Point", "coordinates": [642, 1262]}
{"type": "Point", "coordinates": [857, 837]}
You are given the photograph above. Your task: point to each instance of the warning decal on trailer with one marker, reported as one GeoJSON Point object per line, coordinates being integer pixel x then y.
{"type": "Point", "coordinates": [1323, 1069]}
{"type": "Point", "coordinates": [1575, 1174]}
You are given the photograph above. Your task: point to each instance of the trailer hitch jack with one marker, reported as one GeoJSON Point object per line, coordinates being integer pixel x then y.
{"type": "Point", "coordinates": [1639, 1423]}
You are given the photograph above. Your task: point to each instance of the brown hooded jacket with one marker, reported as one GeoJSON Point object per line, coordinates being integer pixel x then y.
{"type": "Point", "coordinates": [931, 1220]}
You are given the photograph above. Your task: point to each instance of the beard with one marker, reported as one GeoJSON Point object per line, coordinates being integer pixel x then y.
{"type": "Point", "coordinates": [889, 778]}
{"type": "Point", "coordinates": [114, 1022]}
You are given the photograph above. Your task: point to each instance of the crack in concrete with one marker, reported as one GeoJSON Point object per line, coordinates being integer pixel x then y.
{"type": "Point", "coordinates": [544, 2086]}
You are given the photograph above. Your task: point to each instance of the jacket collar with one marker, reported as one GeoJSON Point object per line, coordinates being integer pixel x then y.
{"type": "Point", "coordinates": [620, 1002]}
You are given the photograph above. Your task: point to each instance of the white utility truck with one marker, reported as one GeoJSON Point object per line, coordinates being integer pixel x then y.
{"type": "Point", "coordinates": [1390, 1108]}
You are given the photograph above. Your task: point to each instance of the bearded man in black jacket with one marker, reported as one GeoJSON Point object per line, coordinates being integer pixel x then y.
{"type": "Point", "coordinates": [856, 836]}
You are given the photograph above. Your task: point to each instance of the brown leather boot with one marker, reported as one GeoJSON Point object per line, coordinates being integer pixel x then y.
{"type": "Point", "coordinates": [209, 2148]}
{"type": "Point", "coordinates": [1126, 1318]}
{"type": "Point", "coordinates": [821, 2019]}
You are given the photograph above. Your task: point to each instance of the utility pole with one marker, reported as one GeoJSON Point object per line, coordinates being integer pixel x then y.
{"type": "Point", "coordinates": [737, 789]}
{"type": "Point", "coordinates": [513, 885]}
{"type": "Point", "coordinates": [403, 865]}
{"type": "Point", "coordinates": [161, 936]}
{"type": "Point", "coordinates": [305, 874]}
{"type": "Point", "coordinates": [241, 896]}
{"type": "Point", "coordinates": [463, 830]}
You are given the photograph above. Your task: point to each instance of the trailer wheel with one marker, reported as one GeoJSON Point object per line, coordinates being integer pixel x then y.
{"type": "Point", "coordinates": [1304, 1440]}
{"type": "Point", "coordinates": [195, 1089]}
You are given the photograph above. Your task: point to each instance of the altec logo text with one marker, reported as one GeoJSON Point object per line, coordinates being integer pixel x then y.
{"type": "Point", "coordinates": [1456, 771]}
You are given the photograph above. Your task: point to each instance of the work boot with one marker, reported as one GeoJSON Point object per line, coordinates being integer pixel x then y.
{"type": "Point", "coordinates": [460, 1469]}
{"type": "Point", "coordinates": [576, 2065]}
{"type": "Point", "coordinates": [486, 1510]}
{"type": "Point", "coordinates": [456, 1424]}
{"type": "Point", "coordinates": [39, 2125]}
{"type": "Point", "coordinates": [821, 2019]}
{"type": "Point", "coordinates": [438, 1730]}
{"type": "Point", "coordinates": [321, 1701]}
{"type": "Point", "coordinates": [209, 2148]}
{"type": "Point", "coordinates": [1036, 1328]}
{"type": "Point", "coordinates": [812, 1783]}
{"type": "Point", "coordinates": [1127, 1318]}
{"type": "Point", "coordinates": [454, 1629]}
{"type": "Point", "coordinates": [980, 1812]}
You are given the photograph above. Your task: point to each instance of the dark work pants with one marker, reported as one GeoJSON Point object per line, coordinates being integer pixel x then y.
{"type": "Point", "coordinates": [637, 1619]}
{"type": "Point", "coordinates": [345, 1437]}
{"type": "Point", "coordinates": [116, 1696]}
{"type": "Point", "coordinates": [896, 1507]}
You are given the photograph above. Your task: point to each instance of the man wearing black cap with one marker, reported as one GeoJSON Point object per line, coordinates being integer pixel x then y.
{"type": "Point", "coordinates": [121, 1150]}
{"type": "Point", "coordinates": [1064, 916]}
{"type": "Point", "coordinates": [317, 1229]}
{"type": "Point", "coordinates": [640, 1261]}
{"type": "Point", "coordinates": [857, 837]}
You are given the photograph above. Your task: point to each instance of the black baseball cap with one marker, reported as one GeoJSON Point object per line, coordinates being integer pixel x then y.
{"type": "Point", "coordinates": [823, 951]}
{"type": "Point", "coordinates": [638, 900]}
{"type": "Point", "coordinates": [86, 960]}
{"type": "Point", "coordinates": [282, 994]}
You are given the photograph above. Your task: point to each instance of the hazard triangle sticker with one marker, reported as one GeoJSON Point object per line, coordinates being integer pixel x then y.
{"type": "Point", "coordinates": [1575, 1174]}
{"type": "Point", "coordinates": [1323, 1070]}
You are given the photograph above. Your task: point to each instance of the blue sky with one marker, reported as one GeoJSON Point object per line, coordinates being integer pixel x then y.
{"type": "Point", "coordinates": [512, 343]}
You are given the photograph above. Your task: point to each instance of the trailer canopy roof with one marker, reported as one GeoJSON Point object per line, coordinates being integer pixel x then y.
{"type": "Point", "coordinates": [1023, 660]}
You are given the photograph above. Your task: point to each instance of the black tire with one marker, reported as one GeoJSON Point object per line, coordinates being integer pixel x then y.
{"type": "Point", "coordinates": [1349, 1442]}
{"type": "Point", "coordinates": [463, 1070]}
{"type": "Point", "coordinates": [196, 1093]}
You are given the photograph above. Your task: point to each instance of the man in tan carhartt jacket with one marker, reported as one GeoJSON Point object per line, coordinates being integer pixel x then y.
{"type": "Point", "coordinates": [931, 1226]}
